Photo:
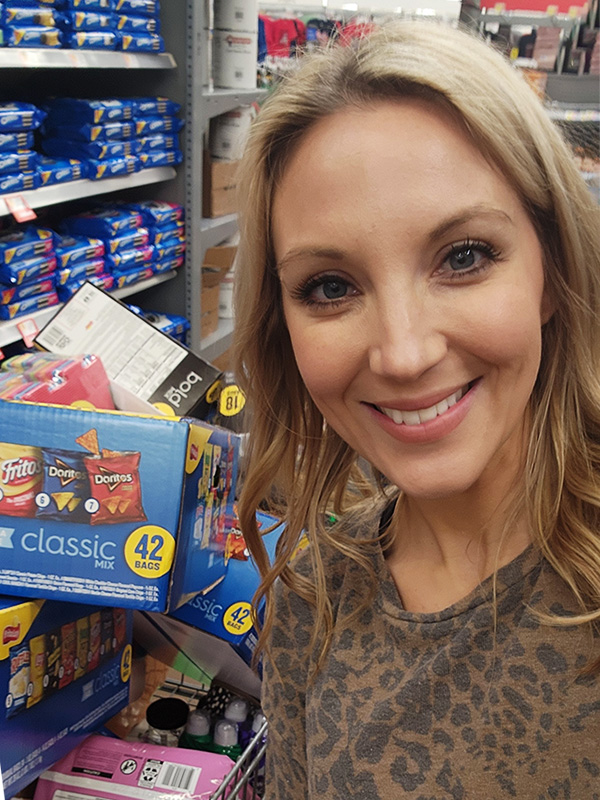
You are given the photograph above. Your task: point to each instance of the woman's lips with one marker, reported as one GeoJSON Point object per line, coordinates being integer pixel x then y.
{"type": "Point", "coordinates": [414, 429]}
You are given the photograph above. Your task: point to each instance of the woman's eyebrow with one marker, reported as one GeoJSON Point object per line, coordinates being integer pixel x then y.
{"type": "Point", "coordinates": [479, 211]}
{"type": "Point", "coordinates": [299, 253]}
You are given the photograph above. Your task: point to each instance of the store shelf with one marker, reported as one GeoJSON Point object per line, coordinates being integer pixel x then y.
{"type": "Point", "coordinates": [76, 190]}
{"type": "Point", "coordinates": [9, 332]}
{"type": "Point", "coordinates": [219, 101]}
{"type": "Point", "coordinates": [573, 114]}
{"type": "Point", "coordinates": [218, 229]}
{"type": "Point", "coordinates": [37, 58]}
{"type": "Point", "coordinates": [541, 21]}
{"type": "Point", "coordinates": [214, 345]}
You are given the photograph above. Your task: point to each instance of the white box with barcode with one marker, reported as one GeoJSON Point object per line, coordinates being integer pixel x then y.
{"type": "Point", "coordinates": [235, 54]}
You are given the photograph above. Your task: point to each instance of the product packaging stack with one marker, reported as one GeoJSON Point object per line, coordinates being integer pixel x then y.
{"type": "Point", "coordinates": [115, 136]}
{"type": "Point", "coordinates": [18, 160]}
{"type": "Point", "coordinates": [138, 25]}
{"type": "Point", "coordinates": [27, 266]}
{"type": "Point", "coordinates": [80, 259]}
{"type": "Point", "coordinates": [29, 24]}
{"type": "Point", "coordinates": [235, 44]}
{"type": "Point", "coordinates": [89, 25]}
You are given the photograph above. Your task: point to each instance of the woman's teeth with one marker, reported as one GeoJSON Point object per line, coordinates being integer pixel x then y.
{"type": "Point", "coordinates": [424, 414]}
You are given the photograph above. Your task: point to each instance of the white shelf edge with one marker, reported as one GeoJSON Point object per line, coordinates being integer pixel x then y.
{"type": "Point", "coordinates": [36, 58]}
{"type": "Point", "coordinates": [9, 331]}
{"type": "Point", "coordinates": [216, 343]}
{"type": "Point", "coordinates": [220, 101]}
{"type": "Point", "coordinates": [77, 190]}
{"type": "Point", "coordinates": [217, 229]}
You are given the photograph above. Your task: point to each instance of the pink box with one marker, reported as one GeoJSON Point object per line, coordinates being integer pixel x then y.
{"type": "Point", "coordinates": [111, 769]}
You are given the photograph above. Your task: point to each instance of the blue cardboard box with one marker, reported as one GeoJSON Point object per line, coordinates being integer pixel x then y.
{"type": "Point", "coordinates": [64, 670]}
{"type": "Point", "coordinates": [213, 636]}
{"type": "Point", "coordinates": [112, 508]}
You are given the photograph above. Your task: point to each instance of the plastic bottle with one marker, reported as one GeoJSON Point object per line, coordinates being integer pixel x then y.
{"type": "Point", "coordinates": [225, 739]}
{"type": "Point", "coordinates": [197, 731]}
{"type": "Point", "coordinates": [166, 720]}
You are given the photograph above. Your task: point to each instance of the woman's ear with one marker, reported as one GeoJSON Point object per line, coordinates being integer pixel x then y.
{"type": "Point", "coordinates": [548, 306]}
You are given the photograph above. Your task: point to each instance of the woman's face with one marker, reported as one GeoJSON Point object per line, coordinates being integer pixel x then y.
{"type": "Point", "coordinates": [413, 291]}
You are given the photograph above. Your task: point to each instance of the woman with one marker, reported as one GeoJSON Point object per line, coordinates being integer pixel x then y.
{"type": "Point", "coordinates": [419, 287]}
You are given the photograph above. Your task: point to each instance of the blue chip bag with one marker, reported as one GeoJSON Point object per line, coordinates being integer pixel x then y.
{"type": "Point", "coordinates": [19, 182]}
{"type": "Point", "coordinates": [160, 159]}
{"type": "Point", "coordinates": [80, 272]}
{"type": "Point", "coordinates": [171, 324]}
{"type": "Point", "coordinates": [53, 171]}
{"type": "Point", "coordinates": [18, 162]}
{"type": "Point", "coordinates": [146, 126]}
{"type": "Point", "coordinates": [10, 294]}
{"type": "Point", "coordinates": [19, 140]}
{"type": "Point", "coordinates": [92, 40]}
{"type": "Point", "coordinates": [32, 37]}
{"type": "Point", "coordinates": [20, 116]}
{"type": "Point", "coordinates": [19, 272]}
{"type": "Point", "coordinates": [147, 8]}
{"type": "Point", "coordinates": [69, 110]}
{"type": "Point", "coordinates": [127, 241]}
{"type": "Point", "coordinates": [28, 305]}
{"type": "Point", "coordinates": [89, 5]}
{"type": "Point", "coordinates": [132, 276]}
{"type": "Point", "coordinates": [155, 107]}
{"type": "Point", "coordinates": [90, 133]}
{"type": "Point", "coordinates": [65, 487]}
{"type": "Point", "coordinates": [89, 150]}
{"type": "Point", "coordinates": [124, 260]}
{"type": "Point", "coordinates": [88, 21]}
{"type": "Point", "coordinates": [103, 222]}
{"type": "Point", "coordinates": [19, 15]}
{"type": "Point", "coordinates": [104, 281]}
{"type": "Point", "coordinates": [141, 43]}
{"type": "Point", "coordinates": [19, 663]}
{"type": "Point", "coordinates": [72, 250]}
{"type": "Point", "coordinates": [158, 213]}
{"type": "Point", "coordinates": [170, 252]}
{"type": "Point", "coordinates": [129, 24]}
{"type": "Point", "coordinates": [166, 238]}
{"type": "Point", "coordinates": [25, 243]}
{"type": "Point", "coordinates": [167, 264]}
{"type": "Point", "coordinates": [148, 144]}
{"type": "Point", "coordinates": [111, 167]}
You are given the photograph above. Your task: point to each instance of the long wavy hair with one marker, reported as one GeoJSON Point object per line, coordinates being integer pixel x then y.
{"type": "Point", "coordinates": [295, 462]}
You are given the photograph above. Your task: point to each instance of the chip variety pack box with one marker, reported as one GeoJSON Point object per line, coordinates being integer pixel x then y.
{"type": "Point", "coordinates": [64, 670]}
{"type": "Point", "coordinates": [111, 769]}
{"type": "Point", "coordinates": [215, 631]}
{"type": "Point", "coordinates": [112, 508]}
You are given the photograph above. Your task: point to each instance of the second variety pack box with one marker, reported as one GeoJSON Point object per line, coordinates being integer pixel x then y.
{"type": "Point", "coordinates": [112, 508]}
{"type": "Point", "coordinates": [64, 670]}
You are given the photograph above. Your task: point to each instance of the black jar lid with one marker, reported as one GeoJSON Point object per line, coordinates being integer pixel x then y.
{"type": "Point", "coordinates": [167, 713]}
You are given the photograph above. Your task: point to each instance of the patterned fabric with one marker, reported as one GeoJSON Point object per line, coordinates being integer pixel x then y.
{"type": "Point", "coordinates": [433, 706]}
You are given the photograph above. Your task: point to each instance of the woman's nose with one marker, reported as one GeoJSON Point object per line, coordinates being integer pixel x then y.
{"type": "Point", "coordinates": [406, 337]}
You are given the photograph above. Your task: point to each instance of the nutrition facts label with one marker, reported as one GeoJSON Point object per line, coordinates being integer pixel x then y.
{"type": "Point", "coordinates": [135, 355]}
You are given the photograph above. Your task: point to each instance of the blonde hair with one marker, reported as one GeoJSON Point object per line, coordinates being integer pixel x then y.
{"type": "Point", "coordinates": [295, 461]}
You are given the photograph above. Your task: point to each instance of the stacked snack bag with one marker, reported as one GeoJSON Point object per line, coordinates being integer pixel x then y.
{"type": "Point", "coordinates": [29, 24]}
{"type": "Point", "coordinates": [88, 24]}
{"type": "Point", "coordinates": [27, 266]}
{"type": "Point", "coordinates": [138, 24]}
{"type": "Point", "coordinates": [18, 160]}
{"type": "Point", "coordinates": [115, 136]}
{"type": "Point", "coordinates": [80, 258]}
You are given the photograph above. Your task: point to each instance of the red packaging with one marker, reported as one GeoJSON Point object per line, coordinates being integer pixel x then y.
{"type": "Point", "coordinates": [21, 471]}
{"type": "Point", "coordinates": [115, 485]}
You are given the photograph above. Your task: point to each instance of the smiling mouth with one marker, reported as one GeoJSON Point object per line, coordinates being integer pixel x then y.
{"type": "Point", "coordinates": [421, 415]}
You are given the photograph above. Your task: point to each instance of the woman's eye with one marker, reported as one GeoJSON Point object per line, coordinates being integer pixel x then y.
{"type": "Point", "coordinates": [334, 289]}
{"type": "Point", "coordinates": [470, 257]}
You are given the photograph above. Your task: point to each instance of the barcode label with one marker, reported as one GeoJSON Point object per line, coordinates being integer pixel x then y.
{"type": "Point", "coordinates": [177, 776]}
{"type": "Point", "coordinates": [55, 337]}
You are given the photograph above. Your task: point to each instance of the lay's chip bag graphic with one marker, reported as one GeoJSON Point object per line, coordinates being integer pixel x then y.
{"type": "Point", "coordinates": [20, 479]}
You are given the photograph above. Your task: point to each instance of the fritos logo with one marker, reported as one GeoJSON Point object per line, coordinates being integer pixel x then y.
{"type": "Point", "coordinates": [19, 470]}
{"type": "Point", "coordinates": [11, 633]}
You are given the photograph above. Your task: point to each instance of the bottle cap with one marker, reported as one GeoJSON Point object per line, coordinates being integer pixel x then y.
{"type": "Point", "coordinates": [167, 713]}
{"type": "Point", "coordinates": [225, 734]}
{"type": "Point", "coordinates": [237, 710]}
{"type": "Point", "coordinates": [258, 721]}
{"type": "Point", "coordinates": [198, 724]}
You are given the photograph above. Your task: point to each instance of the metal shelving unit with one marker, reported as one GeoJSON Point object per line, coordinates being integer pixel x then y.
{"type": "Point", "coordinates": [18, 58]}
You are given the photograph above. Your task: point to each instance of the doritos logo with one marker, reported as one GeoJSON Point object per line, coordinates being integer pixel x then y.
{"type": "Point", "coordinates": [11, 634]}
{"type": "Point", "coordinates": [111, 479]}
{"type": "Point", "coordinates": [19, 470]}
{"type": "Point", "coordinates": [64, 473]}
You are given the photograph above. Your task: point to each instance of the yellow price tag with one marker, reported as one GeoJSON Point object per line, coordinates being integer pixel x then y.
{"type": "Point", "coordinates": [552, 11]}
{"type": "Point", "coordinates": [499, 8]}
{"type": "Point", "coordinates": [231, 401]}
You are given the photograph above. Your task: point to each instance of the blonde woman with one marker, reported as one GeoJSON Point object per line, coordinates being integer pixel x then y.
{"type": "Point", "coordinates": [419, 287]}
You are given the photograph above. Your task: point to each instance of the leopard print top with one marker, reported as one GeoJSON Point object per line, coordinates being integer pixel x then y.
{"type": "Point", "coordinates": [433, 706]}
